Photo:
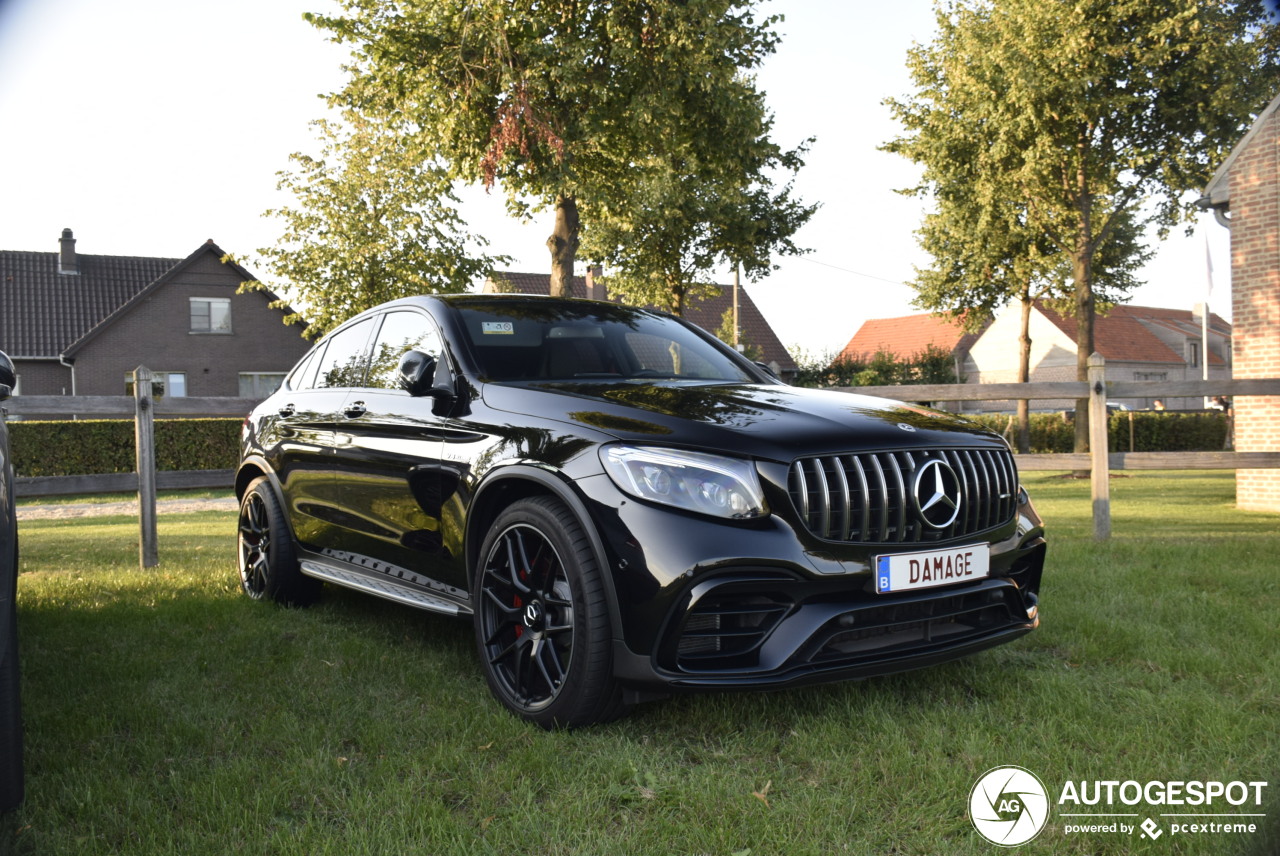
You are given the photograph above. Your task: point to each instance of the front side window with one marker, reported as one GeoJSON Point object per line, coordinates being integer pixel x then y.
{"type": "Point", "coordinates": [171, 384]}
{"type": "Point", "coordinates": [210, 315]}
{"type": "Point", "coordinates": [401, 332]}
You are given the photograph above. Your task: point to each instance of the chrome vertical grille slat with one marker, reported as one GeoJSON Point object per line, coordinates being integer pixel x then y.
{"type": "Point", "coordinates": [846, 501]}
{"type": "Point", "coordinates": [868, 497]}
{"type": "Point", "coordinates": [865, 494]}
{"type": "Point", "coordinates": [824, 497]}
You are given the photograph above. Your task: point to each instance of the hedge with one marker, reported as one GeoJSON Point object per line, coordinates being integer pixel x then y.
{"type": "Point", "coordinates": [88, 447]}
{"type": "Point", "coordinates": [106, 446]}
{"type": "Point", "coordinates": [1152, 431]}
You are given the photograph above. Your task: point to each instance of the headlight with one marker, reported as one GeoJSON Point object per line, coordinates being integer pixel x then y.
{"type": "Point", "coordinates": [694, 481]}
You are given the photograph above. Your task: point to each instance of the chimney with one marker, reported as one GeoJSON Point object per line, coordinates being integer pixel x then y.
{"type": "Point", "coordinates": [67, 261]}
{"type": "Point", "coordinates": [596, 290]}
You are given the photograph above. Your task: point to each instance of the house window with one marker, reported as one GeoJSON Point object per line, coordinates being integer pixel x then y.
{"type": "Point", "coordinates": [171, 384]}
{"type": "Point", "coordinates": [1151, 376]}
{"type": "Point", "coordinates": [210, 315]}
{"type": "Point", "coordinates": [259, 384]}
{"type": "Point", "coordinates": [1193, 354]}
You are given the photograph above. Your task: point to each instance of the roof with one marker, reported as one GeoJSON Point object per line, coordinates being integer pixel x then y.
{"type": "Point", "coordinates": [907, 336]}
{"type": "Point", "coordinates": [43, 312]}
{"type": "Point", "coordinates": [48, 315]}
{"type": "Point", "coordinates": [707, 312]}
{"type": "Point", "coordinates": [1217, 193]}
{"type": "Point", "coordinates": [1123, 334]}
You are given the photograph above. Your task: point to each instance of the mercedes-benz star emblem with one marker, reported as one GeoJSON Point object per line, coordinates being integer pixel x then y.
{"type": "Point", "coordinates": [533, 614]}
{"type": "Point", "coordinates": [937, 493]}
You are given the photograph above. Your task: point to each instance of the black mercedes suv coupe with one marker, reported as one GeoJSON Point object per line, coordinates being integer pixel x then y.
{"type": "Point", "coordinates": [625, 507]}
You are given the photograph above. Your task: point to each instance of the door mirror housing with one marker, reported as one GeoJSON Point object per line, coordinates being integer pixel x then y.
{"type": "Point", "coordinates": [420, 375]}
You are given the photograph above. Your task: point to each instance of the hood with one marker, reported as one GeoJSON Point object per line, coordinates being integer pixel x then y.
{"type": "Point", "coordinates": [764, 421]}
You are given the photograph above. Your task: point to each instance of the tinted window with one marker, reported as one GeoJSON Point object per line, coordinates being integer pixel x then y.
{"type": "Point", "coordinates": [530, 340]}
{"type": "Point", "coordinates": [345, 357]}
{"type": "Point", "coordinates": [401, 332]}
{"type": "Point", "coordinates": [304, 372]}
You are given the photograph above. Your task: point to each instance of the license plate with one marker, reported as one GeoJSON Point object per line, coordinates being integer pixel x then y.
{"type": "Point", "coordinates": [907, 571]}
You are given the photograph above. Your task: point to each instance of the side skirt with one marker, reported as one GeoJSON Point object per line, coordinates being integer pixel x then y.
{"type": "Point", "coordinates": [379, 584]}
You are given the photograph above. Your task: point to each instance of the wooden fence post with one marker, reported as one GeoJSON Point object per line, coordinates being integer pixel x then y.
{"type": "Point", "coordinates": [1100, 465]}
{"type": "Point", "coordinates": [145, 445]}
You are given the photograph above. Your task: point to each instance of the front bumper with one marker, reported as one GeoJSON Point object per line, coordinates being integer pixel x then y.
{"type": "Point", "coordinates": [705, 605]}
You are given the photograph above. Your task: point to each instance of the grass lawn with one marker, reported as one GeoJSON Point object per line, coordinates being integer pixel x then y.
{"type": "Point", "coordinates": [168, 714]}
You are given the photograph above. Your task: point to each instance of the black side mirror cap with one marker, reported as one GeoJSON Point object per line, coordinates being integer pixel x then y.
{"type": "Point", "coordinates": [419, 376]}
{"type": "Point", "coordinates": [768, 371]}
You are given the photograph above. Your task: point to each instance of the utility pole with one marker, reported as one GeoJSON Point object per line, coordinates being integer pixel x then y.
{"type": "Point", "coordinates": [737, 343]}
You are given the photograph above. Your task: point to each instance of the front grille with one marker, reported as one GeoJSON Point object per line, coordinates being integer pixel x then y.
{"type": "Point", "coordinates": [867, 497]}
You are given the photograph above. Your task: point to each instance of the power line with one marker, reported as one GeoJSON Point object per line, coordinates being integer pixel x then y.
{"type": "Point", "coordinates": [854, 272]}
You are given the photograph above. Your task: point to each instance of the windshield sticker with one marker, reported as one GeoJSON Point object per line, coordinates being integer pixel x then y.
{"type": "Point", "coordinates": [498, 328]}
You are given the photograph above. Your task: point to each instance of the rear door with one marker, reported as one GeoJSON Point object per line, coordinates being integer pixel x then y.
{"type": "Point", "coordinates": [299, 436]}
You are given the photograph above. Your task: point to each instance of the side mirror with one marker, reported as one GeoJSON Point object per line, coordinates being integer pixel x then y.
{"type": "Point", "coordinates": [767, 370]}
{"type": "Point", "coordinates": [8, 376]}
{"type": "Point", "coordinates": [419, 376]}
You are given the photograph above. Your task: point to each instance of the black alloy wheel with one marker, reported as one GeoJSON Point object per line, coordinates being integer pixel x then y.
{"type": "Point", "coordinates": [542, 618]}
{"type": "Point", "coordinates": [267, 560]}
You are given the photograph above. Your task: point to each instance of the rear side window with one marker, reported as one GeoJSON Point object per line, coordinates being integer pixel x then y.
{"type": "Point", "coordinates": [346, 357]}
{"type": "Point", "coordinates": [304, 372]}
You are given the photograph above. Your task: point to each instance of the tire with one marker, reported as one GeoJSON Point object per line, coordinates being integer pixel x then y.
{"type": "Point", "coordinates": [266, 556]}
{"type": "Point", "coordinates": [542, 618]}
{"type": "Point", "coordinates": [11, 777]}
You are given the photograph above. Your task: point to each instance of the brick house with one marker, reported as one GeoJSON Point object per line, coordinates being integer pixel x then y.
{"type": "Point", "coordinates": [708, 313]}
{"type": "Point", "coordinates": [77, 324]}
{"type": "Point", "coordinates": [1244, 194]}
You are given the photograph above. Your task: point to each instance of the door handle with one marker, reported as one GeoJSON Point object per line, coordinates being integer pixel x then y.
{"type": "Point", "coordinates": [288, 410]}
{"type": "Point", "coordinates": [355, 410]}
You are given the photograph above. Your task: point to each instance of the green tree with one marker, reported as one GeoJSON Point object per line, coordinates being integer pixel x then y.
{"type": "Point", "coordinates": [563, 102]}
{"type": "Point", "coordinates": [725, 333]}
{"type": "Point", "coordinates": [372, 222]}
{"type": "Point", "coordinates": [687, 216]}
{"type": "Point", "coordinates": [1076, 122]}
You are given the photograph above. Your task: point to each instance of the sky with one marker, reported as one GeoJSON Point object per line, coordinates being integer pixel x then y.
{"type": "Point", "coordinates": [149, 126]}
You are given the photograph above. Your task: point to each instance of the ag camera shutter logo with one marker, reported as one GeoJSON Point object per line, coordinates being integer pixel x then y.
{"type": "Point", "coordinates": [1009, 806]}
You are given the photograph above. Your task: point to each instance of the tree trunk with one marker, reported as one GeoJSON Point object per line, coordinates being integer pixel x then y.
{"type": "Point", "coordinates": [1024, 375]}
{"type": "Point", "coordinates": [563, 245]}
{"type": "Point", "coordinates": [1084, 306]}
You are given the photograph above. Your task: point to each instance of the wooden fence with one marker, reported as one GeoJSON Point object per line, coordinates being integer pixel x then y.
{"type": "Point", "coordinates": [143, 408]}
{"type": "Point", "coordinates": [1098, 390]}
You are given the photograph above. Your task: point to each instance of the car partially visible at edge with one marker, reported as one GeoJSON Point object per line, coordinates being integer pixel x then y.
{"type": "Point", "coordinates": [11, 771]}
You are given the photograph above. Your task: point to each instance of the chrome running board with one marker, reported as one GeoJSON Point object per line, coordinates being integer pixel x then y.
{"type": "Point", "coordinates": [381, 587]}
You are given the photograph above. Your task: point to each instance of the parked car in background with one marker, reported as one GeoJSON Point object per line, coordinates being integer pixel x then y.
{"type": "Point", "coordinates": [11, 778]}
{"type": "Point", "coordinates": [624, 507]}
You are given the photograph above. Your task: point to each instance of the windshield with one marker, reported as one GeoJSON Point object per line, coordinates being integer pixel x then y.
{"type": "Point", "coordinates": [514, 339]}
